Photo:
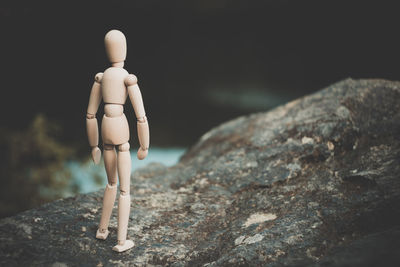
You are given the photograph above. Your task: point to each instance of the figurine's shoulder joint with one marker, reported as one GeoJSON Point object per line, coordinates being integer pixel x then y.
{"type": "Point", "coordinates": [130, 80]}
{"type": "Point", "coordinates": [98, 77]}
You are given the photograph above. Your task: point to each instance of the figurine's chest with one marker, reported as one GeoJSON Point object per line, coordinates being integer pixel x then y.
{"type": "Point", "coordinates": [113, 87]}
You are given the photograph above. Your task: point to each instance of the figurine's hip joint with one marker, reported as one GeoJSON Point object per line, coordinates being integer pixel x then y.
{"type": "Point", "coordinates": [124, 147]}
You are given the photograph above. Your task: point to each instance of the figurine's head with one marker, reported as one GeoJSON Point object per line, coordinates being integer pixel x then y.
{"type": "Point", "coordinates": [115, 43]}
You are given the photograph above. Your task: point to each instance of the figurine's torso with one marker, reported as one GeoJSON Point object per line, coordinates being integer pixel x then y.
{"type": "Point", "coordinates": [113, 87]}
{"type": "Point", "coordinates": [114, 129]}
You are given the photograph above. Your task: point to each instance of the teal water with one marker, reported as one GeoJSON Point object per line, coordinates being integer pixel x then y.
{"type": "Point", "coordinates": [89, 177]}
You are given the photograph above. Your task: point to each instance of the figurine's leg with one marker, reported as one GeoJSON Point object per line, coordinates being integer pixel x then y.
{"type": "Point", "coordinates": [110, 162]}
{"type": "Point", "coordinates": [124, 202]}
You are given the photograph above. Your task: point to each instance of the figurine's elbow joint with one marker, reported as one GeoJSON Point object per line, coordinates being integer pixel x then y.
{"type": "Point", "coordinates": [142, 119]}
{"type": "Point", "coordinates": [90, 116]}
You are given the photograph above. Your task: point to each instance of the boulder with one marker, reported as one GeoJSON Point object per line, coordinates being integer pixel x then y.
{"type": "Point", "coordinates": [313, 182]}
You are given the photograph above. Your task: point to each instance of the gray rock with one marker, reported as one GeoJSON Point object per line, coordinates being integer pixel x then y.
{"type": "Point", "coordinates": [313, 182]}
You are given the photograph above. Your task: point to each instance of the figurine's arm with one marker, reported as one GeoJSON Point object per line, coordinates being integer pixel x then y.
{"type": "Point", "coordinates": [142, 126]}
{"type": "Point", "coordinates": [91, 121]}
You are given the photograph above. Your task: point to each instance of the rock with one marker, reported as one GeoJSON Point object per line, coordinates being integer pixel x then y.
{"type": "Point", "coordinates": [313, 182]}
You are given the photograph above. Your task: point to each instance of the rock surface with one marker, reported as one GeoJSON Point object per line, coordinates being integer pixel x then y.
{"type": "Point", "coordinates": [313, 182]}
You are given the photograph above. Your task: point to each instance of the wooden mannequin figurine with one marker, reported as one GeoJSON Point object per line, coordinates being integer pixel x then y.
{"type": "Point", "coordinates": [113, 86]}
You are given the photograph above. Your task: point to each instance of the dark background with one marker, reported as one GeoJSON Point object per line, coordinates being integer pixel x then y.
{"type": "Point", "coordinates": [183, 52]}
{"type": "Point", "coordinates": [199, 63]}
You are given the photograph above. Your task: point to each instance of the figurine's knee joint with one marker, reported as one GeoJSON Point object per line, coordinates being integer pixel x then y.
{"type": "Point", "coordinates": [124, 193]}
{"type": "Point", "coordinates": [108, 147]}
{"type": "Point", "coordinates": [112, 184]}
{"type": "Point", "coordinates": [124, 147]}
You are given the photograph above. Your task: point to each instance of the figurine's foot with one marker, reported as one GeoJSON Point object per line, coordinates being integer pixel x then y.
{"type": "Point", "coordinates": [100, 235]}
{"type": "Point", "coordinates": [127, 245]}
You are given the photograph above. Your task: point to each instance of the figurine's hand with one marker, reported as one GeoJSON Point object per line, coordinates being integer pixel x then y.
{"type": "Point", "coordinates": [141, 154]}
{"type": "Point", "coordinates": [96, 155]}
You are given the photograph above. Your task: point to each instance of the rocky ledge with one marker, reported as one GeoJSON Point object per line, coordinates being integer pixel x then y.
{"type": "Point", "coordinates": [314, 182]}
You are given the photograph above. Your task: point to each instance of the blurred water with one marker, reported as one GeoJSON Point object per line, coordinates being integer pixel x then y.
{"type": "Point", "coordinates": [90, 177]}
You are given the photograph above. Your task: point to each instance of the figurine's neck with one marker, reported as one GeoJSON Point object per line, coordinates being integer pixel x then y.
{"type": "Point", "coordinates": [118, 64]}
